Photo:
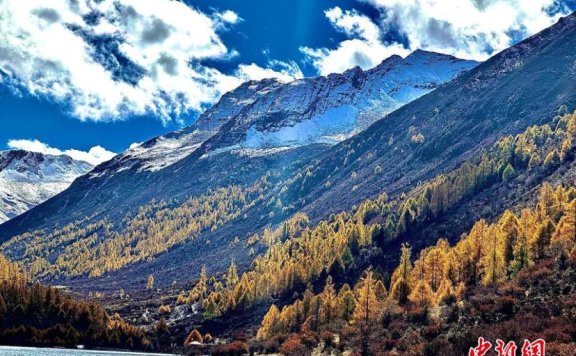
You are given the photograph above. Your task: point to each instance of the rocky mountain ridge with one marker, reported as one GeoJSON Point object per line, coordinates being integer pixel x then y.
{"type": "Point", "coordinates": [29, 178]}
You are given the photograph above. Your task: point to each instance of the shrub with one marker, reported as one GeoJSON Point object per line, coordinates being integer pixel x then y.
{"type": "Point", "coordinates": [194, 336]}
{"type": "Point", "coordinates": [328, 338]}
{"type": "Point", "coordinates": [235, 348]}
{"type": "Point", "coordinates": [164, 309]}
{"type": "Point", "coordinates": [431, 331]}
{"type": "Point", "coordinates": [208, 338]}
{"type": "Point", "coordinates": [418, 314]}
{"type": "Point", "coordinates": [506, 305]}
{"type": "Point", "coordinates": [294, 347]}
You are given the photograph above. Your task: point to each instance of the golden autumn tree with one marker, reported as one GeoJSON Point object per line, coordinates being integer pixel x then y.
{"type": "Point", "coordinates": [367, 309]}
{"type": "Point", "coordinates": [381, 292]}
{"type": "Point", "coordinates": [231, 276]}
{"type": "Point", "coordinates": [200, 289]}
{"type": "Point", "coordinates": [541, 239]}
{"type": "Point", "coordinates": [520, 250]}
{"type": "Point", "coordinates": [347, 302]}
{"type": "Point", "coordinates": [476, 243]}
{"type": "Point", "coordinates": [270, 323]}
{"type": "Point", "coordinates": [150, 282]}
{"type": "Point", "coordinates": [509, 226]}
{"type": "Point", "coordinates": [444, 291]}
{"type": "Point", "coordinates": [422, 294]}
{"type": "Point", "coordinates": [563, 240]}
{"type": "Point", "coordinates": [493, 262]}
{"type": "Point", "coordinates": [435, 264]}
{"type": "Point", "coordinates": [329, 302]}
{"type": "Point", "coordinates": [400, 288]}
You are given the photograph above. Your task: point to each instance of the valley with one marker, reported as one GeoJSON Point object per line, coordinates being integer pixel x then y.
{"type": "Point", "coordinates": [405, 209]}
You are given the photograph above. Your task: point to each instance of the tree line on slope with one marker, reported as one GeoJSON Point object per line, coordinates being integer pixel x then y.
{"type": "Point", "coordinates": [94, 248]}
{"type": "Point", "coordinates": [289, 264]}
{"type": "Point", "coordinates": [34, 315]}
{"type": "Point", "coordinates": [490, 254]}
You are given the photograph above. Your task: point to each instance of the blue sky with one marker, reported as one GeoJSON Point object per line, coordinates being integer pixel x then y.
{"type": "Point", "coordinates": [110, 73]}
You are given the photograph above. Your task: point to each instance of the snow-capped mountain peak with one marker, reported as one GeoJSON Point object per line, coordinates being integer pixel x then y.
{"type": "Point", "coordinates": [270, 114]}
{"type": "Point", "coordinates": [29, 178]}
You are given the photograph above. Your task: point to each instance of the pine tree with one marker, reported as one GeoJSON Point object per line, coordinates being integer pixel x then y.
{"type": "Point", "coordinates": [552, 159]}
{"type": "Point", "coordinates": [270, 323]}
{"type": "Point", "coordinates": [563, 240]}
{"type": "Point", "coordinates": [545, 201]}
{"type": "Point", "coordinates": [231, 276]}
{"type": "Point", "coordinates": [199, 291]}
{"type": "Point", "coordinates": [400, 289]}
{"type": "Point", "coordinates": [434, 264]}
{"type": "Point", "coordinates": [381, 292]}
{"type": "Point", "coordinates": [329, 302]}
{"type": "Point", "coordinates": [445, 290]}
{"type": "Point", "coordinates": [367, 309]}
{"type": "Point", "coordinates": [534, 161]}
{"type": "Point", "coordinates": [347, 302]}
{"type": "Point", "coordinates": [493, 261]}
{"type": "Point", "coordinates": [541, 239]}
{"type": "Point", "coordinates": [367, 304]}
{"type": "Point", "coordinates": [476, 242]}
{"type": "Point", "coordinates": [508, 224]}
{"type": "Point", "coordinates": [210, 306]}
{"type": "Point", "coordinates": [521, 253]}
{"type": "Point", "coordinates": [150, 282]}
{"type": "Point", "coordinates": [422, 294]}
{"type": "Point", "coordinates": [508, 173]}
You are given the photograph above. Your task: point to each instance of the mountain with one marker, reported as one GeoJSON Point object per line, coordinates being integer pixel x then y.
{"type": "Point", "coordinates": [129, 217]}
{"type": "Point", "coordinates": [213, 225]}
{"type": "Point", "coordinates": [173, 220]}
{"type": "Point", "coordinates": [527, 84]}
{"type": "Point", "coordinates": [258, 123]}
{"type": "Point", "coordinates": [28, 179]}
{"type": "Point", "coordinates": [267, 116]}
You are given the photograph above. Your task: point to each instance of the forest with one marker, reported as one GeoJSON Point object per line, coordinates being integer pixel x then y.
{"type": "Point", "coordinates": [444, 285]}
{"type": "Point", "coordinates": [301, 259]}
{"type": "Point", "coordinates": [35, 315]}
{"type": "Point", "coordinates": [324, 282]}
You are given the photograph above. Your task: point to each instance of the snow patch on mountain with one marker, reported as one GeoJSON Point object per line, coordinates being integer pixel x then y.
{"type": "Point", "coordinates": [321, 128]}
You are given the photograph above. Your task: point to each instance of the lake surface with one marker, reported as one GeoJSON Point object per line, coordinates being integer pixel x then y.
{"type": "Point", "coordinates": [33, 351]}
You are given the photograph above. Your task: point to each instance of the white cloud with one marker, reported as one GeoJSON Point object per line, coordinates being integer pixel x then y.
{"type": "Point", "coordinates": [473, 29]}
{"type": "Point", "coordinates": [230, 17]}
{"type": "Point", "coordinates": [94, 156]}
{"type": "Point", "coordinates": [284, 71]}
{"type": "Point", "coordinates": [113, 58]}
{"type": "Point", "coordinates": [363, 48]}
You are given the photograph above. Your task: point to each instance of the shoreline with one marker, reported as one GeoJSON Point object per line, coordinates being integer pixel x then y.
{"type": "Point", "coordinates": [83, 351]}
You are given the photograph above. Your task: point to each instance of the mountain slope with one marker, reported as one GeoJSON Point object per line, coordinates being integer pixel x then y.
{"type": "Point", "coordinates": [524, 85]}
{"type": "Point", "coordinates": [517, 88]}
{"type": "Point", "coordinates": [521, 86]}
{"type": "Point", "coordinates": [28, 179]}
{"type": "Point", "coordinates": [250, 123]}
{"type": "Point", "coordinates": [271, 114]}
{"type": "Point", "coordinates": [333, 108]}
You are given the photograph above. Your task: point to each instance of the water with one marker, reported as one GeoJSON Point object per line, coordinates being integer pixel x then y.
{"type": "Point", "coordinates": [33, 351]}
